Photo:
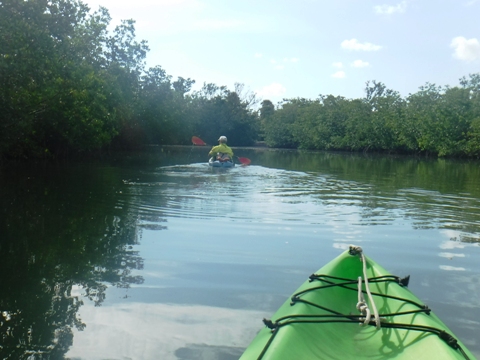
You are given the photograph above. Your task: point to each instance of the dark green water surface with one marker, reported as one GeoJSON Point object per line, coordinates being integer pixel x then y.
{"type": "Point", "coordinates": [154, 255]}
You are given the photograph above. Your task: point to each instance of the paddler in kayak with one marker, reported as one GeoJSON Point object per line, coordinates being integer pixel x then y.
{"type": "Point", "coordinates": [222, 152]}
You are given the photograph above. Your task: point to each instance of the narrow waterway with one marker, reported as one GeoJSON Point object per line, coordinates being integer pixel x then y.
{"type": "Point", "coordinates": [155, 255]}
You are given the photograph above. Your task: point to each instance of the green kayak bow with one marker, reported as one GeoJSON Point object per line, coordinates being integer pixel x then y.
{"type": "Point", "coordinates": [352, 308]}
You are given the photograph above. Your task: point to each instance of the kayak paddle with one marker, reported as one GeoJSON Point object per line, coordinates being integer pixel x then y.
{"type": "Point", "coordinates": [197, 141]}
{"type": "Point", "coordinates": [243, 160]}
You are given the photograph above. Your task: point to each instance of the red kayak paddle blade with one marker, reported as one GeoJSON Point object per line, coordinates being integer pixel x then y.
{"type": "Point", "coordinates": [244, 161]}
{"type": "Point", "coordinates": [197, 141]}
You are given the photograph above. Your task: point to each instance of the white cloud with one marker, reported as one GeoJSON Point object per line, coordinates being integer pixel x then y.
{"type": "Point", "coordinates": [337, 65]}
{"type": "Point", "coordinates": [391, 9]}
{"type": "Point", "coordinates": [285, 60]}
{"type": "Point", "coordinates": [274, 89]}
{"type": "Point", "coordinates": [466, 49]}
{"type": "Point", "coordinates": [278, 66]}
{"type": "Point", "coordinates": [258, 55]}
{"type": "Point", "coordinates": [360, 64]}
{"type": "Point", "coordinates": [339, 75]}
{"type": "Point", "coordinates": [353, 44]}
{"type": "Point", "coordinates": [472, 2]}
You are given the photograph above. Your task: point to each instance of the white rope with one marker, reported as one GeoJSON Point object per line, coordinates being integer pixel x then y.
{"type": "Point", "coordinates": [362, 305]}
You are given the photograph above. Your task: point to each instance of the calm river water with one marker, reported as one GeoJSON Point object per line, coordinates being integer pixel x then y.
{"type": "Point", "coordinates": [154, 255]}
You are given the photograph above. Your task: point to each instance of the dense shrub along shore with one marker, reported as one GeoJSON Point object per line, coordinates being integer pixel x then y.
{"type": "Point", "coordinates": [69, 86]}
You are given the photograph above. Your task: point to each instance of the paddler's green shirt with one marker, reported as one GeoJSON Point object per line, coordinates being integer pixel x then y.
{"type": "Point", "coordinates": [222, 148]}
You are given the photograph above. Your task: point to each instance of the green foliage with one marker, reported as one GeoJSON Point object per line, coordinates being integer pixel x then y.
{"type": "Point", "coordinates": [219, 111]}
{"type": "Point", "coordinates": [164, 109]}
{"type": "Point", "coordinates": [67, 85]}
{"type": "Point", "coordinates": [124, 50]}
{"type": "Point", "coordinates": [55, 89]}
{"type": "Point", "coordinates": [442, 121]}
{"type": "Point", "coordinates": [387, 113]}
{"type": "Point", "coordinates": [279, 130]}
{"type": "Point", "coordinates": [267, 110]}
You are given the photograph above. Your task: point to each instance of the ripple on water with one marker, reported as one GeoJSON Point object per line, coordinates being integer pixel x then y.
{"type": "Point", "coordinates": [199, 191]}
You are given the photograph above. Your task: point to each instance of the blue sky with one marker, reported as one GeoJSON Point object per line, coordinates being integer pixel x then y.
{"type": "Point", "coordinates": [304, 48]}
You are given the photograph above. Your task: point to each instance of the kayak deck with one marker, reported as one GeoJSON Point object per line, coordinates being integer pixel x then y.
{"type": "Point", "coordinates": [321, 319]}
{"type": "Point", "coordinates": [222, 164]}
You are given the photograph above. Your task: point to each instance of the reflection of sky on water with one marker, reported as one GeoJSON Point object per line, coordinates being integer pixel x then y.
{"type": "Point", "coordinates": [163, 331]}
{"type": "Point", "coordinates": [223, 249]}
{"type": "Point", "coordinates": [451, 268]}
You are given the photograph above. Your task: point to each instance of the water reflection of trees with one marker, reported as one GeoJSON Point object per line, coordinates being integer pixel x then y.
{"type": "Point", "coordinates": [60, 230]}
{"type": "Point", "coordinates": [431, 193]}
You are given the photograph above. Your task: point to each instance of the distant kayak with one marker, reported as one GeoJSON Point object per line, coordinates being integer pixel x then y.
{"type": "Point", "coordinates": [222, 164]}
{"type": "Point", "coordinates": [329, 318]}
